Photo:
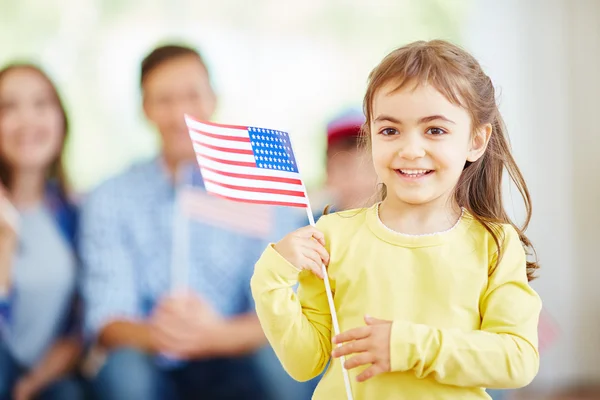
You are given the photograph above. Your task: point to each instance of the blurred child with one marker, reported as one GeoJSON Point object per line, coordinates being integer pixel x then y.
{"type": "Point", "coordinates": [351, 179]}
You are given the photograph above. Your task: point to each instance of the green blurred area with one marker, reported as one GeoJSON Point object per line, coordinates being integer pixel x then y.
{"type": "Point", "coordinates": [276, 64]}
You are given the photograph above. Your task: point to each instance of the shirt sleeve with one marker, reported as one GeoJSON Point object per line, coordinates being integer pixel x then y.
{"type": "Point", "coordinates": [502, 354]}
{"type": "Point", "coordinates": [297, 325]}
{"type": "Point", "coordinates": [109, 290]}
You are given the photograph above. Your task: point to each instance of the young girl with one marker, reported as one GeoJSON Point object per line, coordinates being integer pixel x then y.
{"type": "Point", "coordinates": [39, 340]}
{"type": "Point", "coordinates": [431, 284]}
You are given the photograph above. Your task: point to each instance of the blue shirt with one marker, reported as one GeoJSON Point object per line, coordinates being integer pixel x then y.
{"type": "Point", "coordinates": [44, 278]}
{"type": "Point", "coordinates": [126, 238]}
{"type": "Point", "coordinates": [42, 303]}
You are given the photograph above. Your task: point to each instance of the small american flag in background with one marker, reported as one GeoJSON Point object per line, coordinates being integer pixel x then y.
{"type": "Point", "coordinates": [248, 219]}
{"type": "Point", "coordinates": [253, 165]}
{"type": "Point", "coordinates": [547, 331]}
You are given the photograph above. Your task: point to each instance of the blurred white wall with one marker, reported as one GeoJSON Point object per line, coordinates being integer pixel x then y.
{"type": "Point", "coordinates": [544, 56]}
{"type": "Point", "coordinates": [584, 132]}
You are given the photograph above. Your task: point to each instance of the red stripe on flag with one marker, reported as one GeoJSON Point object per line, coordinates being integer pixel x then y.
{"type": "Point", "coordinates": [222, 137]}
{"type": "Point", "coordinates": [265, 202]}
{"type": "Point", "coordinates": [242, 128]}
{"type": "Point", "coordinates": [224, 149]}
{"type": "Point", "coordinates": [291, 181]}
{"type": "Point", "coordinates": [257, 190]}
{"type": "Point", "coordinates": [229, 162]}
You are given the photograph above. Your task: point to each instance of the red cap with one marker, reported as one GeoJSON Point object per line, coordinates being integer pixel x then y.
{"type": "Point", "coordinates": [346, 124]}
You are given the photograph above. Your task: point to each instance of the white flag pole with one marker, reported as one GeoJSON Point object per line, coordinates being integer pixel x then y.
{"type": "Point", "coordinates": [334, 319]}
{"type": "Point", "coordinates": [180, 245]}
{"type": "Point", "coordinates": [179, 254]}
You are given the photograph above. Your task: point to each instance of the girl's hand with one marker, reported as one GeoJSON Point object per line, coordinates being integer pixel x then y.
{"type": "Point", "coordinates": [305, 249]}
{"type": "Point", "coordinates": [370, 343]}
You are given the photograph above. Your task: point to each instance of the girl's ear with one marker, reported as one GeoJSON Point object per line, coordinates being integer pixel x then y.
{"type": "Point", "coordinates": [479, 142]}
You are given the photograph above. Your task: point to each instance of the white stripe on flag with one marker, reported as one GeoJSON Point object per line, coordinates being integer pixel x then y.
{"type": "Point", "coordinates": [254, 196]}
{"type": "Point", "coordinates": [246, 170]}
{"type": "Point", "coordinates": [249, 219]}
{"type": "Point", "coordinates": [219, 142]}
{"type": "Point", "coordinates": [223, 155]}
{"type": "Point", "coordinates": [217, 130]}
{"type": "Point", "coordinates": [253, 183]}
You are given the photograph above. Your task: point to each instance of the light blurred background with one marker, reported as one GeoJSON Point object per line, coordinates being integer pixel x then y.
{"type": "Point", "coordinates": [280, 64]}
{"type": "Point", "coordinates": [293, 65]}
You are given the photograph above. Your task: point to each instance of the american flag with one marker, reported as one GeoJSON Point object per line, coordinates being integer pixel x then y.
{"type": "Point", "coordinates": [248, 219]}
{"type": "Point", "coordinates": [248, 164]}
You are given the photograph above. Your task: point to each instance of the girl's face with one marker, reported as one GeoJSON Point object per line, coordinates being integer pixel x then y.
{"type": "Point", "coordinates": [421, 142]}
{"type": "Point", "coordinates": [31, 120]}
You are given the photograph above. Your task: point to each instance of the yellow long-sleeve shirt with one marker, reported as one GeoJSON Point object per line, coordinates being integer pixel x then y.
{"type": "Point", "coordinates": [461, 322]}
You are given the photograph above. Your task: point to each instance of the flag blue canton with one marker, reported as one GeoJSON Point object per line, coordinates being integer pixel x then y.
{"type": "Point", "coordinates": [272, 149]}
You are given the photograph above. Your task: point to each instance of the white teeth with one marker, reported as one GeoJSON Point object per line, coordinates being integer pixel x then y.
{"type": "Point", "coordinates": [414, 171]}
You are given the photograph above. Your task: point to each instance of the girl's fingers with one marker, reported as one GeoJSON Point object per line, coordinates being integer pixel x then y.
{"type": "Point", "coordinates": [310, 232]}
{"type": "Point", "coordinates": [313, 260]}
{"type": "Point", "coordinates": [319, 249]}
{"type": "Point", "coordinates": [318, 271]}
{"type": "Point", "coordinates": [319, 236]}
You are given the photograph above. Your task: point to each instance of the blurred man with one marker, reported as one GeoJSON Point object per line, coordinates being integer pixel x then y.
{"type": "Point", "coordinates": [195, 344]}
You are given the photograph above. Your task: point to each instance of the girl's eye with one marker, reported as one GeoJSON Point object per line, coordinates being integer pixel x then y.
{"type": "Point", "coordinates": [388, 131]}
{"type": "Point", "coordinates": [435, 131]}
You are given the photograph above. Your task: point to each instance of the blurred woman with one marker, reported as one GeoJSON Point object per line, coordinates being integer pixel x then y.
{"type": "Point", "coordinates": [40, 343]}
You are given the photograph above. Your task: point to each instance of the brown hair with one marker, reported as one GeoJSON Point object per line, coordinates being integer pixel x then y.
{"type": "Point", "coordinates": [56, 170]}
{"type": "Point", "coordinates": [164, 54]}
{"type": "Point", "coordinates": [460, 78]}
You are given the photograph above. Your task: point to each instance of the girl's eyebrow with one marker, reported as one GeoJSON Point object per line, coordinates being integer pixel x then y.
{"type": "Point", "coordinates": [388, 118]}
